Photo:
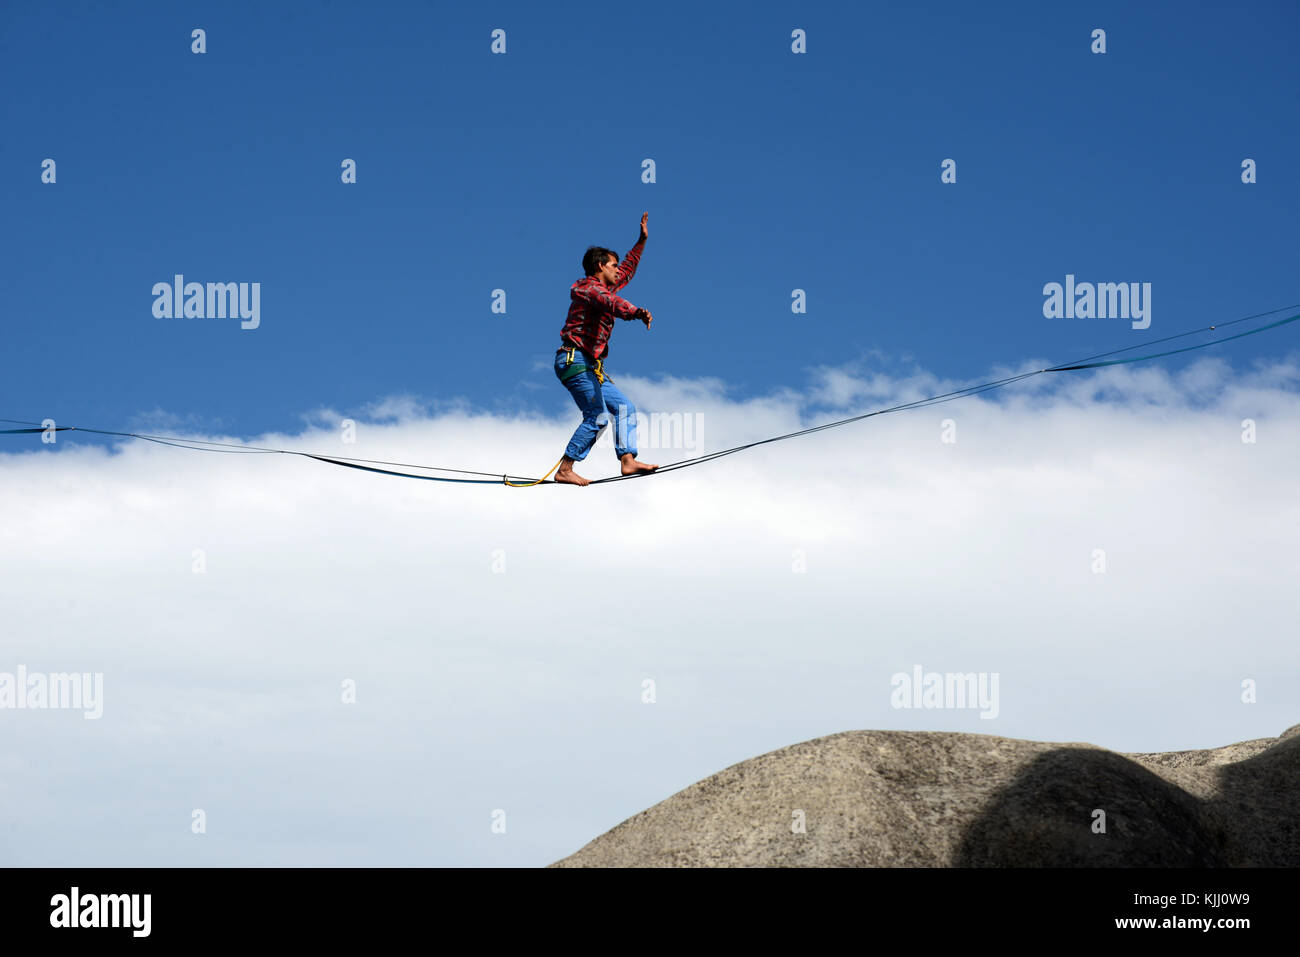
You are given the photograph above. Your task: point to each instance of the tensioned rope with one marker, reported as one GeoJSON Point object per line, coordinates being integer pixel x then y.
{"type": "Point", "coordinates": [497, 478]}
{"type": "Point", "coordinates": [984, 387]}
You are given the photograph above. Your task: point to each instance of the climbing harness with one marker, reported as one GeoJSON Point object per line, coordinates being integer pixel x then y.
{"type": "Point", "coordinates": [571, 368]}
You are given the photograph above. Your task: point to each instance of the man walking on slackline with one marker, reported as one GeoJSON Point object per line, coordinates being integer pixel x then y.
{"type": "Point", "coordinates": [580, 361]}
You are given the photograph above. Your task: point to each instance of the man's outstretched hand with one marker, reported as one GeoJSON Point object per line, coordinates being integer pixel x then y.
{"type": "Point", "coordinates": [644, 314]}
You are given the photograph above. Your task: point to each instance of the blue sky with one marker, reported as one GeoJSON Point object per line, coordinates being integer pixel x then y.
{"type": "Point", "coordinates": [500, 640]}
{"type": "Point", "coordinates": [775, 171]}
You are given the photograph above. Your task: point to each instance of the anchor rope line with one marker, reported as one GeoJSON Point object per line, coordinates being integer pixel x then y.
{"type": "Point", "coordinates": [976, 389]}
{"type": "Point", "coordinates": [198, 445]}
{"type": "Point", "coordinates": [498, 478]}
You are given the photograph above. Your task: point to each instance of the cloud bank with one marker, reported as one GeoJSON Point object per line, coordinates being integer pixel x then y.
{"type": "Point", "coordinates": [532, 666]}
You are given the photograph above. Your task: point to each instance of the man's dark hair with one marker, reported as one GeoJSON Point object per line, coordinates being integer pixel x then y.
{"type": "Point", "coordinates": [595, 257]}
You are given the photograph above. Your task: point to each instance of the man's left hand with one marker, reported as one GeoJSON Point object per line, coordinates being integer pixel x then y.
{"type": "Point", "coordinates": [644, 217]}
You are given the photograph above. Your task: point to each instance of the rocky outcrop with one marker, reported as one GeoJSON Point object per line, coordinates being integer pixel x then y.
{"type": "Point", "coordinates": [934, 799]}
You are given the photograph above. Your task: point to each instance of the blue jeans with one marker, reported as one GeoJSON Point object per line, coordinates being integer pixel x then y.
{"type": "Point", "coordinates": [598, 402]}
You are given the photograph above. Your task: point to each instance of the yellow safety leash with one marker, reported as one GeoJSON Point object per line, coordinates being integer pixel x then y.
{"type": "Point", "coordinates": [538, 482]}
{"type": "Point", "coordinates": [600, 376]}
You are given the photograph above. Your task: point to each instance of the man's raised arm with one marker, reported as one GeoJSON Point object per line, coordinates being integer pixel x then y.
{"type": "Point", "coordinates": [627, 268]}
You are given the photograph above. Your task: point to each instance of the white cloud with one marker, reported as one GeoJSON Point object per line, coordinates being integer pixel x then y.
{"type": "Point", "coordinates": [522, 690]}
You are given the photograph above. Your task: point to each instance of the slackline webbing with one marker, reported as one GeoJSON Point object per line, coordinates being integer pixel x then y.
{"type": "Point", "coordinates": [973, 390]}
{"type": "Point", "coordinates": [498, 478]}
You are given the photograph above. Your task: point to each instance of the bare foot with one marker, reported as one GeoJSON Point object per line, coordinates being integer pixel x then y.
{"type": "Point", "coordinates": [631, 466]}
{"type": "Point", "coordinates": [567, 475]}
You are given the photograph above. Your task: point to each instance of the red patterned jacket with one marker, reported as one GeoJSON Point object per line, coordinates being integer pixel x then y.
{"type": "Point", "coordinates": [594, 306]}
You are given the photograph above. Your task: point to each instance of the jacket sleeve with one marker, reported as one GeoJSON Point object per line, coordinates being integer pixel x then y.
{"type": "Point", "coordinates": [627, 268]}
{"type": "Point", "coordinates": [603, 298]}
